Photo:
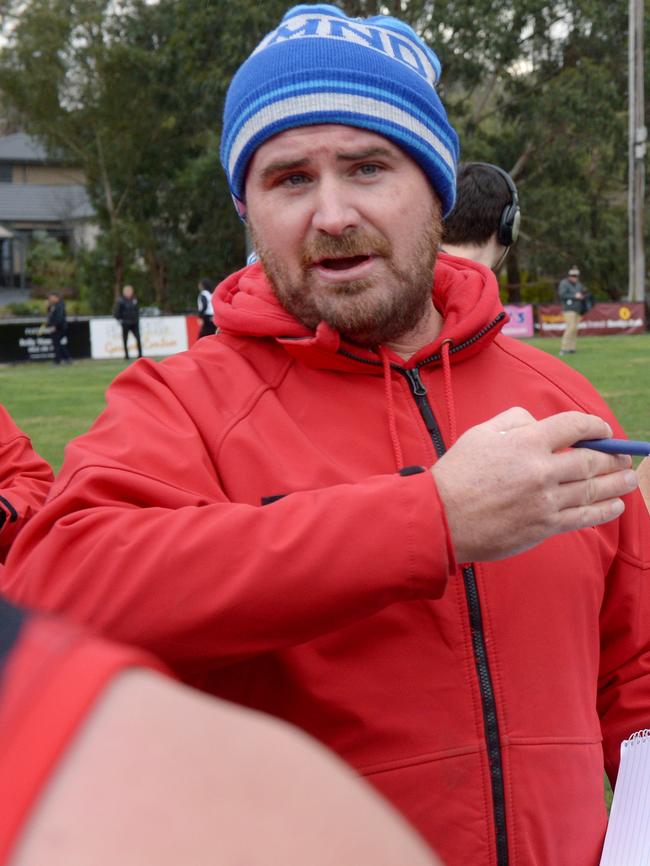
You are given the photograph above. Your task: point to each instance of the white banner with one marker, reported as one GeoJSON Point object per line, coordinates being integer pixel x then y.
{"type": "Point", "coordinates": [160, 335]}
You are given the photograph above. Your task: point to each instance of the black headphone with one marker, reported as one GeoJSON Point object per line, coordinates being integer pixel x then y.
{"type": "Point", "coordinates": [510, 219]}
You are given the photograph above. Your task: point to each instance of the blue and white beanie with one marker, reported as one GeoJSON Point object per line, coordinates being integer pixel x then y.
{"type": "Point", "coordinates": [319, 66]}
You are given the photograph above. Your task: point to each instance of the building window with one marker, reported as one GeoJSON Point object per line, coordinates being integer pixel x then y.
{"type": "Point", "coordinates": [6, 172]}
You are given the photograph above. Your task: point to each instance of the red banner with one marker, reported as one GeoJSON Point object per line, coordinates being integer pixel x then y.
{"type": "Point", "coordinates": [603, 319]}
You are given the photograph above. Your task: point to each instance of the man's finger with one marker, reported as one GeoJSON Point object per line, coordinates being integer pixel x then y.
{"type": "Point", "coordinates": [595, 490]}
{"type": "Point", "coordinates": [578, 464]}
{"type": "Point", "coordinates": [565, 428]}
{"type": "Point", "coordinates": [590, 515]}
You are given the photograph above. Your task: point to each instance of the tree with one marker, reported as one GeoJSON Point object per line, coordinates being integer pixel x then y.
{"type": "Point", "coordinates": [134, 93]}
{"type": "Point", "coordinates": [539, 88]}
{"type": "Point", "coordinates": [48, 265]}
{"type": "Point", "coordinates": [56, 73]}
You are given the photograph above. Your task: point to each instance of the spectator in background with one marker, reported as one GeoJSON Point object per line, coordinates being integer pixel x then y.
{"type": "Point", "coordinates": [127, 313]}
{"type": "Point", "coordinates": [485, 220]}
{"type": "Point", "coordinates": [572, 295]}
{"type": "Point", "coordinates": [57, 324]}
{"type": "Point", "coordinates": [206, 312]}
{"type": "Point", "coordinates": [25, 480]}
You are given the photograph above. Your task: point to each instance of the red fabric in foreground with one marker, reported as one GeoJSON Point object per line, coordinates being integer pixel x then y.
{"type": "Point", "coordinates": [48, 686]}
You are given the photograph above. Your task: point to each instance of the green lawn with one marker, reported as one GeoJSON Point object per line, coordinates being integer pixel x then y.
{"type": "Point", "coordinates": [53, 404]}
{"type": "Point", "coordinates": [619, 367]}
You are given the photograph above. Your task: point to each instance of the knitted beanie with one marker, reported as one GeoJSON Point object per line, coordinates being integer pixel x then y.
{"type": "Point", "coordinates": [320, 66]}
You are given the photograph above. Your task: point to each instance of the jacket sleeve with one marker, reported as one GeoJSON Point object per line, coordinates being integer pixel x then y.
{"type": "Point", "coordinates": [25, 479]}
{"type": "Point", "coordinates": [202, 304]}
{"type": "Point", "coordinates": [140, 541]}
{"type": "Point", "coordinates": [624, 682]}
{"type": "Point", "coordinates": [117, 310]}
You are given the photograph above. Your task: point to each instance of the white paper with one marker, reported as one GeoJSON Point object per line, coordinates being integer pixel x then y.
{"type": "Point", "coordinates": [627, 842]}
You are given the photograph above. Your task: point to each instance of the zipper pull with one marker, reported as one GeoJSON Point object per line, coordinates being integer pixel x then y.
{"type": "Point", "coordinates": [417, 386]}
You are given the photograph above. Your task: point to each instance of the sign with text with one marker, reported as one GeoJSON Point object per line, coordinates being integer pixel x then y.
{"type": "Point", "coordinates": [160, 335]}
{"type": "Point", "coordinates": [29, 340]}
{"type": "Point", "coordinates": [522, 321]}
{"type": "Point", "coordinates": [618, 317]}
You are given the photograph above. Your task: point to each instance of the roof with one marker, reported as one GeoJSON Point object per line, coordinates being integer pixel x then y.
{"type": "Point", "coordinates": [21, 147]}
{"type": "Point", "coordinates": [22, 202]}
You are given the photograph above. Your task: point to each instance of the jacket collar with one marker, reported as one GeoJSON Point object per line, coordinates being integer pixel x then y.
{"type": "Point", "coordinates": [464, 292]}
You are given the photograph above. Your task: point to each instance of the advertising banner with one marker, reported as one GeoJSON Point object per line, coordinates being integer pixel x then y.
{"type": "Point", "coordinates": [27, 340]}
{"type": "Point", "coordinates": [160, 335]}
{"type": "Point", "coordinates": [618, 317]}
{"type": "Point", "coordinates": [522, 321]}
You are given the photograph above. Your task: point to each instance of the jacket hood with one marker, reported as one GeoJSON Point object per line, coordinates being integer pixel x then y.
{"type": "Point", "coordinates": [464, 292]}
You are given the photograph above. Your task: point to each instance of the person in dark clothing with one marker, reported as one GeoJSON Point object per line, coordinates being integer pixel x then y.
{"type": "Point", "coordinates": [206, 312]}
{"type": "Point", "coordinates": [127, 313]}
{"type": "Point", "coordinates": [572, 295]}
{"type": "Point", "coordinates": [57, 324]}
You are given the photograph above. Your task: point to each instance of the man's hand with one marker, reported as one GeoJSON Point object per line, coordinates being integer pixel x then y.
{"type": "Point", "coordinates": [644, 480]}
{"type": "Point", "coordinates": [508, 484]}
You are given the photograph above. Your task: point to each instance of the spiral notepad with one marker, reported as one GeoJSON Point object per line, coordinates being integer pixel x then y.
{"type": "Point", "coordinates": [627, 842]}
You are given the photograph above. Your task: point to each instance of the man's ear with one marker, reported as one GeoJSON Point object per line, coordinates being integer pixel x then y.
{"type": "Point", "coordinates": [240, 207]}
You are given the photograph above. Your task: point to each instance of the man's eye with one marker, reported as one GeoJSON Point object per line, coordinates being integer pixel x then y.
{"type": "Point", "coordinates": [294, 180]}
{"type": "Point", "coordinates": [369, 169]}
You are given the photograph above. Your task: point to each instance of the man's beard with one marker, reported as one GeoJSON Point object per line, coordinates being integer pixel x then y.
{"type": "Point", "coordinates": [352, 308]}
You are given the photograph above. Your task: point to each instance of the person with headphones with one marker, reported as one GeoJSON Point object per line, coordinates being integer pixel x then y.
{"type": "Point", "coordinates": [485, 221]}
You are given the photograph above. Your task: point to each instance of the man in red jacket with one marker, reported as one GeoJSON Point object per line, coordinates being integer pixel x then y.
{"type": "Point", "coordinates": [25, 479]}
{"type": "Point", "coordinates": [357, 508]}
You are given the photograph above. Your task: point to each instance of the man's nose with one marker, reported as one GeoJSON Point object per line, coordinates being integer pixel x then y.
{"type": "Point", "coordinates": [334, 210]}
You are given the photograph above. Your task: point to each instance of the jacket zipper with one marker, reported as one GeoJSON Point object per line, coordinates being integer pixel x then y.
{"type": "Point", "coordinates": [420, 393]}
{"type": "Point", "coordinates": [488, 702]}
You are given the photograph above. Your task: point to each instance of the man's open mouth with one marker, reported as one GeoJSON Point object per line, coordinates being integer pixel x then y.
{"type": "Point", "coordinates": [342, 264]}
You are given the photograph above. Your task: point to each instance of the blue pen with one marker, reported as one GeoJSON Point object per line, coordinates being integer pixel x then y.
{"type": "Point", "coordinates": [616, 446]}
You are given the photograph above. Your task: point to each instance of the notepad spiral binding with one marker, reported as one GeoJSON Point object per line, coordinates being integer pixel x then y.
{"type": "Point", "coordinates": [637, 737]}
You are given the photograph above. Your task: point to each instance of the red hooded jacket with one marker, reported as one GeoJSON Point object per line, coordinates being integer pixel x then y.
{"type": "Point", "coordinates": [239, 510]}
{"type": "Point", "coordinates": [25, 480]}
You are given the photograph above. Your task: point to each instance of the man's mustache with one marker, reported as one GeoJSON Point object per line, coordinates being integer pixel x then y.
{"type": "Point", "coordinates": [347, 245]}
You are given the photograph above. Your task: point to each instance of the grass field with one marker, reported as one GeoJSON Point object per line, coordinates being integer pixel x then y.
{"type": "Point", "coordinates": [619, 367]}
{"type": "Point", "coordinates": [54, 404]}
